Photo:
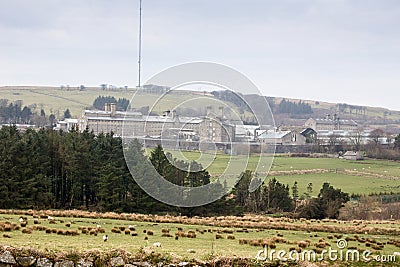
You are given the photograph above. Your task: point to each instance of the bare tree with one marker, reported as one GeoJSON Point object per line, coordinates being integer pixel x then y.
{"type": "Point", "coordinates": [356, 140]}
{"type": "Point", "coordinates": [375, 136]}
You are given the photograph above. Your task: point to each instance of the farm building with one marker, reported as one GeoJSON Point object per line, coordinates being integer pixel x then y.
{"type": "Point", "coordinates": [353, 155]}
{"type": "Point", "coordinates": [281, 137]}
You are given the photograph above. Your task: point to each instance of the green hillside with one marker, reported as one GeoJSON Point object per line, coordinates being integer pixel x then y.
{"type": "Point", "coordinates": [56, 100]}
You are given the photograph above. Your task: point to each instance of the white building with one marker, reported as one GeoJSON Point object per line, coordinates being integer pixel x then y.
{"type": "Point", "coordinates": [281, 137]}
{"type": "Point", "coordinates": [331, 123]}
{"type": "Point", "coordinates": [67, 124]}
{"type": "Point", "coordinates": [135, 124]}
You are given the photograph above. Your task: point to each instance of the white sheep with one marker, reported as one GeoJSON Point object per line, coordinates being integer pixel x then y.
{"type": "Point", "coordinates": [105, 238]}
{"type": "Point", "coordinates": [50, 218]}
{"type": "Point", "coordinates": [157, 244]}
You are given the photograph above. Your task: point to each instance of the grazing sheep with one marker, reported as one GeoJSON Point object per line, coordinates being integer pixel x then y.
{"type": "Point", "coordinates": [105, 238]}
{"type": "Point", "coordinates": [50, 218]}
{"type": "Point", "coordinates": [157, 244]}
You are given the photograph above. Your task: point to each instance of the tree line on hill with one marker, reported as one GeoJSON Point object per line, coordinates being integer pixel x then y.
{"type": "Point", "coordinates": [286, 106]}
{"type": "Point", "coordinates": [49, 169]}
{"type": "Point", "coordinates": [17, 113]}
{"type": "Point", "coordinates": [100, 101]}
{"type": "Point", "coordinates": [14, 112]}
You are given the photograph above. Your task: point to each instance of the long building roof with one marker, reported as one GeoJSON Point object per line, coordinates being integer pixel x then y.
{"type": "Point", "coordinates": [339, 121]}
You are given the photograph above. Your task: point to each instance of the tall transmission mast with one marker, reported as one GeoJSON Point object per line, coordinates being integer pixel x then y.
{"type": "Point", "coordinates": [140, 43]}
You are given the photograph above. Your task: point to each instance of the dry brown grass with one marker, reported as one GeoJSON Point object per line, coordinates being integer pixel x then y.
{"type": "Point", "coordinates": [27, 231]}
{"type": "Point", "coordinates": [218, 236]}
{"type": "Point", "coordinates": [243, 224]}
{"type": "Point", "coordinates": [115, 230]}
{"type": "Point", "coordinates": [303, 244]}
{"type": "Point", "coordinates": [166, 235]}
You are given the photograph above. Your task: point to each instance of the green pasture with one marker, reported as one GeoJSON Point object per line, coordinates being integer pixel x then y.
{"type": "Point", "coordinates": [56, 101]}
{"type": "Point", "coordinates": [354, 177]}
{"type": "Point", "coordinates": [349, 184]}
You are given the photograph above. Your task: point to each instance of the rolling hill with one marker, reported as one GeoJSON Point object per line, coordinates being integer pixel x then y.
{"type": "Point", "coordinates": [56, 100]}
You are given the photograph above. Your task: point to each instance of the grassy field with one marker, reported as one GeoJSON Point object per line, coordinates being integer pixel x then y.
{"type": "Point", "coordinates": [204, 244]}
{"type": "Point", "coordinates": [56, 101]}
{"type": "Point", "coordinates": [358, 177]}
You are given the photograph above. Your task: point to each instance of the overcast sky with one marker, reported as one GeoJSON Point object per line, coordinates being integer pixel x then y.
{"type": "Point", "coordinates": [329, 50]}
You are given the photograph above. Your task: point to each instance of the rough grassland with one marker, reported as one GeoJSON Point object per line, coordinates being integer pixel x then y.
{"type": "Point", "coordinates": [54, 100]}
{"type": "Point", "coordinates": [288, 231]}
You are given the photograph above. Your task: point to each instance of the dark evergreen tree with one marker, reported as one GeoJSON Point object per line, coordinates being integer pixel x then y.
{"type": "Point", "coordinates": [67, 114]}
{"type": "Point", "coordinates": [122, 103]}
{"type": "Point", "coordinates": [278, 197]}
{"type": "Point", "coordinates": [295, 191]}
